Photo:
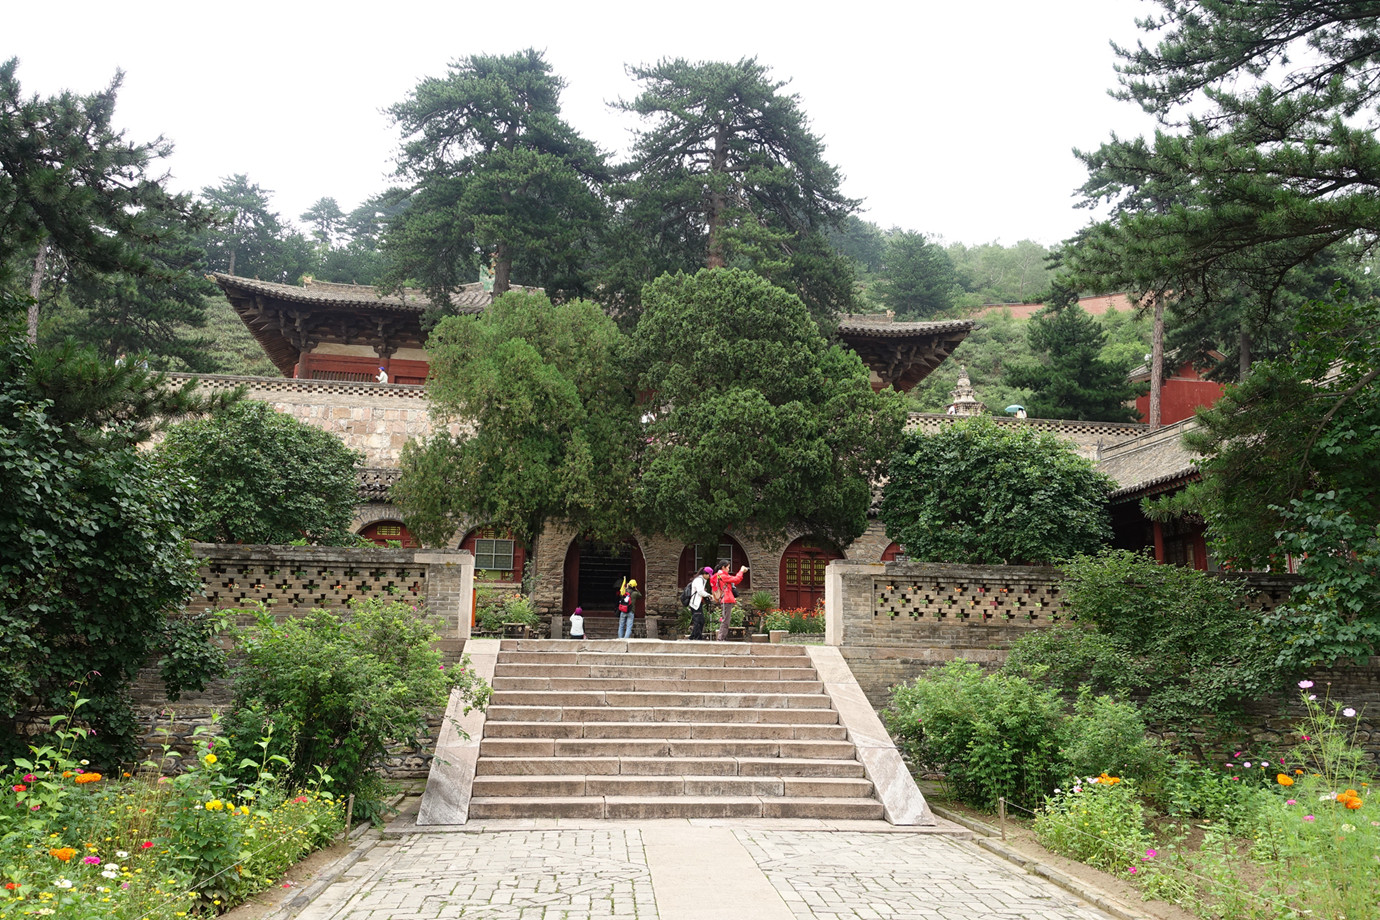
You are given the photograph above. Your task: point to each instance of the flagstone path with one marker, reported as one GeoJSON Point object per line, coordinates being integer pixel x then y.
{"type": "Point", "coordinates": [687, 870]}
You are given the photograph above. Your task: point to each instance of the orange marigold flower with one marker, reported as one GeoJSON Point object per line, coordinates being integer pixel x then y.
{"type": "Point", "coordinates": [89, 778]}
{"type": "Point", "coordinates": [1353, 803]}
{"type": "Point", "coordinates": [63, 853]}
{"type": "Point", "coordinates": [1284, 780]}
{"type": "Point", "coordinates": [1298, 772]}
{"type": "Point", "coordinates": [66, 773]}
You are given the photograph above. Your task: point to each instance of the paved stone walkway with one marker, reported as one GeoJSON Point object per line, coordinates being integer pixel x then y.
{"type": "Point", "coordinates": [669, 870]}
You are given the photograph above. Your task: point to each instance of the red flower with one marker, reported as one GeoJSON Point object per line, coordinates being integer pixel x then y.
{"type": "Point", "coordinates": [20, 787]}
{"type": "Point", "coordinates": [146, 844]}
{"type": "Point", "coordinates": [11, 886]}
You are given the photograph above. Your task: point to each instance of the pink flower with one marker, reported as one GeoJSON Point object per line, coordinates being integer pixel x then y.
{"type": "Point", "coordinates": [35, 807]}
{"type": "Point", "coordinates": [1349, 712]}
{"type": "Point", "coordinates": [1307, 738]}
{"type": "Point", "coordinates": [1309, 818]}
{"type": "Point", "coordinates": [1133, 870]}
{"type": "Point", "coordinates": [92, 860]}
{"type": "Point", "coordinates": [29, 777]}
{"type": "Point", "coordinates": [1292, 802]}
{"type": "Point", "coordinates": [1151, 853]}
{"type": "Point", "coordinates": [1305, 684]}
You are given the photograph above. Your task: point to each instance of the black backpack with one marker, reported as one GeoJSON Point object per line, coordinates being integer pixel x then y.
{"type": "Point", "coordinates": [687, 594]}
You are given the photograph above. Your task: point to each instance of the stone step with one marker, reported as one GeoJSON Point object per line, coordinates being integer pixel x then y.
{"type": "Point", "coordinates": [653, 685]}
{"type": "Point", "coordinates": [639, 660]}
{"type": "Point", "coordinates": [555, 714]}
{"type": "Point", "coordinates": [737, 649]}
{"type": "Point", "coordinates": [506, 669]}
{"type": "Point", "coordinates": [766, 731]}
{"type": "Point", "coordinates": [661, 766]}
{"type": "Point", "coordinates": [672, 806]}
{"type": "Point", "coordinates": [665, 747]}
{"type": "Point", "coordinates": [667, 785]}
{"type": "Point", "coordinates": [635, 700]}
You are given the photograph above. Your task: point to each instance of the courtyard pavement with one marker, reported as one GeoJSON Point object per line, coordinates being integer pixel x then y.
{"type": "Point", "coordinates": [686, 870]}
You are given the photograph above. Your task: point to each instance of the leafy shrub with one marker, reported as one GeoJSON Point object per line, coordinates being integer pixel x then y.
{"type": "Point", "coordinates": [1105, 736]}
{"type": "Point", "coordinates": [262, 476]}
{"type": "Point", "coordinates": [332, 691]}
{"type": "Point", "coordinates": [1134, 638]}
{"type": "Point", "coordinates": [493, 611]}
{"type": "Point", "coordinates": [977, 492]}
{"type": "Point", "coordinates": [1099, 821]}
{"type": "Point", "coordinates": [990, 735]}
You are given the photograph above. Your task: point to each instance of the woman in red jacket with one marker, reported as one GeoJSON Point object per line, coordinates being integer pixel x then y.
{"type": "Point", "coordinates": [722, 585]}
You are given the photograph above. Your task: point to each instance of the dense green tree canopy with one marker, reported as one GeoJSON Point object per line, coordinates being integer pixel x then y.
{"type": "Point", "coordinates": [496, 177]}
{"type": "Point", "coordinates": [93, 560]}
{"type": "Point", "coordinates": [993, 273]}
{"type": "Point", "coordinates": [918, 280]}
{"type": "Point", "coordinates": [752, 419]}
{"type": "Point", "coordinates": [1290, 461]}
{"type": "Point", "coordinates": [998, 495]}
{"type": "Point", "coordinates": [1069, 378]}
{"type": "Point", "coordinates": [545, 425]}
{"type": "Point", "coordinates": [728, 173]}
{"type": "Point", "coordinates": [261, 476]}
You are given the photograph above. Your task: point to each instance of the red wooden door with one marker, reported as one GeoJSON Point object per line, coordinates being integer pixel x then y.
{"type": "Point", "coordinates": [802, 573]}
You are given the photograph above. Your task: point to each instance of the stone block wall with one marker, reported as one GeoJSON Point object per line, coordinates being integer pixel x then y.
{"type": "Point", "coordinates": [374, 418]}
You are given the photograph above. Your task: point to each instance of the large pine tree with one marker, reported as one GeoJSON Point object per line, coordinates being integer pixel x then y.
{"type": "Point", "coordinates": [496, 178]}
{"type": "Point", "coordinates": [727, 173]}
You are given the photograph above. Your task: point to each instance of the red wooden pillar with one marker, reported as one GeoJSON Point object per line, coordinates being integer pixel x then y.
{"type": "Point", "coordinates": [1158, 529]}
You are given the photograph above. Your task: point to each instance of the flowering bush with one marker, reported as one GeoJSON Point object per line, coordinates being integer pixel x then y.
{"type": "Point", "coordinates": [1098, 820]}
{"type": "Point", "coordinates": [797, 620]}
{"type": "Point", "coordinates": [75, 843]}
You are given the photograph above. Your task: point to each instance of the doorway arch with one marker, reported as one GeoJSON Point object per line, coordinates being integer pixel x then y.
{"type": "Point", "coordinates": [593, 571]}
{"type": "Point", "coordinates": [696, 556]}
{"type": "Point", "coordinates": [802, 572]}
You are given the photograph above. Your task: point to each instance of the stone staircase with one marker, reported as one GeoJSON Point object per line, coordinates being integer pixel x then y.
{"type": "Point", "coordinates": [647, 729]}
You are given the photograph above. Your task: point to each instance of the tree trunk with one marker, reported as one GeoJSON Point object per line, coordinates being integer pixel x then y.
{"type": "Point", "coordinates": [1156, 363]}
{"type": "Point", "coordinates": [503, 269]}
{"type": "Point", "coordinates": [231, 270]}
{"type": "Point", "coordinates": [1245, 357]}
{"type": "Point", "coordinates": [718, 203]}
{"type": "Point", "coordinates": [35, 288]}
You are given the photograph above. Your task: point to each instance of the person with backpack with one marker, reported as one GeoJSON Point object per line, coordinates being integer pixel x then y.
{"type": "Point", "coordinates": [627, 607]}
{"type": "Point", "coordinates": [721, 584]}
{"type": "Point", "coordinates": [694, 596]}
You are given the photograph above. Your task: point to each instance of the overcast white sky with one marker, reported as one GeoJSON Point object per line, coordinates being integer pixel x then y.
{"type": "Point", "coordinates": [954, 119]}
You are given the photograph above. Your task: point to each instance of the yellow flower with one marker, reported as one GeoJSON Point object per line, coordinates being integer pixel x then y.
{"type": "Point", "coordinates": [1284, 780]}
{"type": "Point", "coordinates": [209, 759]}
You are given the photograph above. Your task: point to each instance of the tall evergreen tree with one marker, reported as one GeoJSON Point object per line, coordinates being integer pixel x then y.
{"type": "Point", "coordinates": [1268, 158]}
{"type": "Point", "coordinates": [1070, 379]}
{"type": "Point", "coordinates": [250, 240]}
{"type": "Point", "coordinates": [917, 277]}
{"type": "Point", "coordinates": [497, 178]}
{"type": "Point", "coordinates": [728, 173]}
{"type": "Point", "coordinates": [75, 196]}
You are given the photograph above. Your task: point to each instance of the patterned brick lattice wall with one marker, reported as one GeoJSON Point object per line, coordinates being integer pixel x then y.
{"type": "Point", "coordinates": [292, 581]}
{"type": "Point", "coordinates": [895, 621]}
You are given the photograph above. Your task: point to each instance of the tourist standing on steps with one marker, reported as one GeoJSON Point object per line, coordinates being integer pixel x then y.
{"type": "Point", "coordinates": [722, 585]}
{"type": "Point", "coordinates": [699, 593]}
{"type": "Point", "coordinates": [627, 607]}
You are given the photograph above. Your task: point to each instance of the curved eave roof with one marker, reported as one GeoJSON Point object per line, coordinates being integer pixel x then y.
{"type": "Point", "coordinates": [345, 296]}
{"type": "Point", "coordinates": [902, 354]}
